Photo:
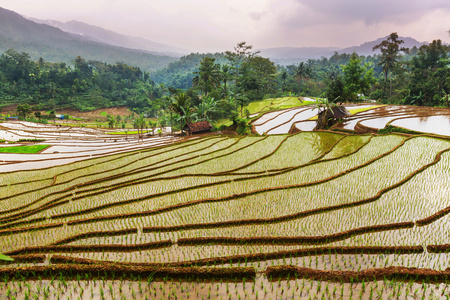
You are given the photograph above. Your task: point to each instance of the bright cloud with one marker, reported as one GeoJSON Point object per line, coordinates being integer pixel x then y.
{"type": "Point", "coordinates": [216, 25]}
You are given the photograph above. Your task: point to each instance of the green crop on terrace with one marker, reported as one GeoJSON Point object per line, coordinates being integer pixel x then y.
{"type": "Point", "coordinates": [24, 149]}
{"type": "Point", "coordinates": [317, 200]}
{"type": "Point", "coordinates": [275, 103]}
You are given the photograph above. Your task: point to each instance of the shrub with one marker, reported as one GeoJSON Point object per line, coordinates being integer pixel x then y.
{"type": "Point", "coordinates": [390, 128]}
{"type": "Point", "coordinates": [242, 127]}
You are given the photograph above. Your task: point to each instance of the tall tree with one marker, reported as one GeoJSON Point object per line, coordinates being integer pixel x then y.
{"type": "Point", "coordinates": [208, 75]}
{"type": "Point", "coordinates": [181, 104]}
{"type": "Point", "coordinates": [241, 53]}
{"type": "Point", "coordinates": [430, 78]}
{"type": "Point", "coordinates": [140, 123]}
{"type": "Point", "coordinates": [17, 66]}
{"type": "Point", "coordinates": [258, 77]}
{"type": "Point", "coordinates": [225, 73]}
{"type": "Point", "coordinates": [302, 72]}
{"type": "Point", "coordinates": [23, 110]}
{"type": "Point", "coordinates": [357, 78]}
{"type": "Point", "coordinates": [390, 49]}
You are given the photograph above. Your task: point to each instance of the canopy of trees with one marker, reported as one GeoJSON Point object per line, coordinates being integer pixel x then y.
{"type": "Point", "coordinates": [217, 86]}
{"type": "Point", "coordinates": [85, 85]}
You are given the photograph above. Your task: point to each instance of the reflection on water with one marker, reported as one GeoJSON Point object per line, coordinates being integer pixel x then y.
{"type": "Point", "coordinates": [378, 123]}
{"type": "Point", "coordinates": [434, 124]}
{"type": "Point", "coordinates": [319, 143]}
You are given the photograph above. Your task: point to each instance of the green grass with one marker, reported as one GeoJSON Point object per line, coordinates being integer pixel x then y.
{"type": "Point", "coordinates": [103, 113]}
{"type": "Point", "coordinates": [24, 149]}
{"type": "Point", "coordinates": [390, 129]}
{"type": "Point", "coordinates": [267, 105]}
{"type": "Point", "coordinates": [274, 104]}
{"type": "Point", "coordinates": [75, 119]}
{"type": "Point", "coordinates": [358, 110]}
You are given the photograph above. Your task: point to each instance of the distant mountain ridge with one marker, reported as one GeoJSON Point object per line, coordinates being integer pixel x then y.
{"type": "Point", "coordinates": [62, 42]}
{"type": "Point", "coordinates": [55, 45]}
{"type": "Point", "coordinates": [293, 55]}
{"type": "Point", "coordinates": [101, 35]}
{"type": "Point", "coordinates": [366, 48]}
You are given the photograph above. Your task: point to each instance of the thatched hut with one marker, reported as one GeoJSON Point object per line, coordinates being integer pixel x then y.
{"type": "Point", "coordinates": [331, 116]}
{"type": "Point", "coordinates": [197, 127]}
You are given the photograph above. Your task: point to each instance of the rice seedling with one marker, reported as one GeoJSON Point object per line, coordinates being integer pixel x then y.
{"type": "Point", "coordinates": [326, 190]}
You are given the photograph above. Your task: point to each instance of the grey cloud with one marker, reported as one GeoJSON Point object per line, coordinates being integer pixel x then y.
{"type": "Point", "coordinates": [256, 16]}
{"type": "Point", "coordinates": [372, 12]}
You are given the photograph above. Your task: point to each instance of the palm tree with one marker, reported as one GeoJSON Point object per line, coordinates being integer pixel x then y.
{"type": "Point", "coordinates": [153, 125]}
{"type": "Point", "coordinates": [225, 72]}
{"type": "Point", "coordinates": [283, 78]}
{"type": "Point", "coordinates": [139, 123]}
{"type": "Point", "coordinates": [302, 72]}
{"type": "Point", "coordinates": [180, 105]}
{"type": "Point", "coordinates": [111, 121]}
{"type": "Point", "coordinates": [208, 75]}
{"type": "Point", "coordinates": [185, 118]}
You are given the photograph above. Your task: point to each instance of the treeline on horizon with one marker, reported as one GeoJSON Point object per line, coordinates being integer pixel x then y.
{"type": "Point", "coordinates": [228, 81]}
{"type": "Point", "coordinates": [416, 76]}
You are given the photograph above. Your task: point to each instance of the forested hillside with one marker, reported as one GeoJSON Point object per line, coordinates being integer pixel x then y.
{"type": "Point", "coordinates": [54, 45]}
{"type": "Point", "coordinates": [179, 74]}
{"type": "Point", "coordinates": [413, 76]}
{"type": "Point", "coordinates": [87, 85]}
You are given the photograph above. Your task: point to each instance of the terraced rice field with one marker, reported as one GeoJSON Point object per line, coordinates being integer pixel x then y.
{"type": "Point", "coordinates": [367, 118]}
{"type": "Point", "coordinates": [309, 215]}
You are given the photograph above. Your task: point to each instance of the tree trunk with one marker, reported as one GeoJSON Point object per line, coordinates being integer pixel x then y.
{"type": "Point", "coordinates": [385, 83]}
{"type": "Point", "coordinates": [300, 87]}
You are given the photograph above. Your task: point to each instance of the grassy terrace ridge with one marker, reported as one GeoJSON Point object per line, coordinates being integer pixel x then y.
{"type": "Point", "coordinates": [270, 104]}
{"type": "Point", "coordinates": [24, 149]}
{"type": "Point", "coordinates": [322, 213]}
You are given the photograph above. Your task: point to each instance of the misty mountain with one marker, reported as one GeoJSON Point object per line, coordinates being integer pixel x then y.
{"type": "Point", "coordinates": [366, 48]}
{"type": "Point", "coordinates": [101, 35]}
{"type": "Point", "coordinates": [55, 45]}
{"type": "Point", "coordinates": [294, 55]}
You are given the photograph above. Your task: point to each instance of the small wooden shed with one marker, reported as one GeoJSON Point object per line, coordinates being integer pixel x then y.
{"type": "Point", "coordinates": [331, 116]}
{"type": "Point", "coordinates": [197, 127]}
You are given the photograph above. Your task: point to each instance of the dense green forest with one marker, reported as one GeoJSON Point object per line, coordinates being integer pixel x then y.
{"type": "Point", "coordinates": [413, 76]}
{"type": "Point", "coordinates": [85, 85]}
{"type": "Point", "coordinates": [214, 86]}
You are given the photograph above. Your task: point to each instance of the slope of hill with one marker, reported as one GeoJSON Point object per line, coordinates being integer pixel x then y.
{"type": "Point", "coordinates": [101, 35]}
{"type": "Point", "coordinates": [53, 44]}
{"type": "Point", "coordinates": [292, 55]}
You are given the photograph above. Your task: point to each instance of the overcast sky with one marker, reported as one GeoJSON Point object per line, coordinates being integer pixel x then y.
{"type": "Point", "coordinates": [218, 25]}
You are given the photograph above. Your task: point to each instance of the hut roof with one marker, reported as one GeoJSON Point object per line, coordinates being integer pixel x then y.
{"type": "Point", "coordinates": [340, 112]}
{"type": "Point", "coordinates": [337, 112]}
{"type": "Point", "coordinates": [198, 127]}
